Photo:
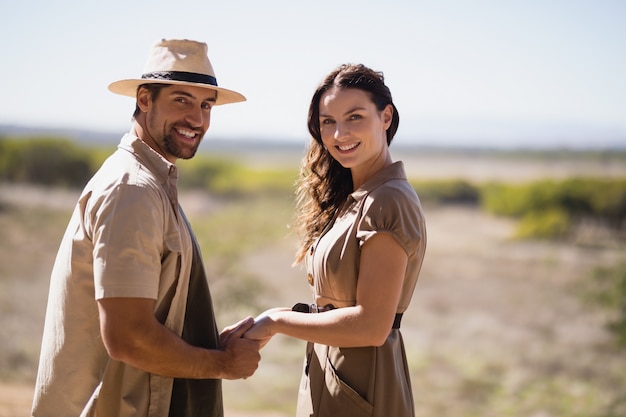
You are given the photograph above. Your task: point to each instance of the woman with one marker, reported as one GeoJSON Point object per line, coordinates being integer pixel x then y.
{"type": "Point", "coordinates": [363, 240]}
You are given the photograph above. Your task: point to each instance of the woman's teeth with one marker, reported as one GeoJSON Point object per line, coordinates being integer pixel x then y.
{"type": "Point", "coordinates": [348, 147]}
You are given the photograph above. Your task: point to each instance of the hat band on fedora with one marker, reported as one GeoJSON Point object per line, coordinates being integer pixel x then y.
{"type": "Point", "coordinates": [190, 77]}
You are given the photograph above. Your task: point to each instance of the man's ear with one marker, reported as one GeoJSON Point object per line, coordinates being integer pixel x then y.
{"type": "Point", "coordinates": [144, 99]}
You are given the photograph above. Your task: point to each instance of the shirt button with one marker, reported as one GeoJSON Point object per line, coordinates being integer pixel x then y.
{"type": "Point", "coordinates": [310, 279]}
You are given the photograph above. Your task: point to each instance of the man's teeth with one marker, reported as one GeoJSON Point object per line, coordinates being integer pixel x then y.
{"type": "Point", "coordinates": [187, 133]}
{"type": "Point", "coordinates": [348, 147]}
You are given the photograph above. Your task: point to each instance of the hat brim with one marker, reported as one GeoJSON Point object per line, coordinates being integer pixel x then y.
{"type": "Point", "coordinates": [129, 88]}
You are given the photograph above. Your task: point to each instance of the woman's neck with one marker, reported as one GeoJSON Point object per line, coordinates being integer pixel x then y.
{"type": "Point", "coordinates": [364, 172]}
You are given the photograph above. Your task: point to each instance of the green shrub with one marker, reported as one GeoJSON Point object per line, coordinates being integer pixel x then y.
{"type": "Point", "coordinates": [227, 177]}
{"type": "Point", "coordinates": [519, 199]}
{"type": "Point", "coordinates": [45, 161]}
{"type": "Point", "coordinates": [204, 172]}
{"type": "Point", "coordinates": [453, 191]}
{"type": "Point", "coordinates": [504, 200]}
{"type": "Point", "coordinates": [607, 199]}
{"type": "Point", "coordinates": [60, 162]}
{"type": "Point", "coordinates": [547, 224]}
{"type": "Point", "coordinates": [551, 208]}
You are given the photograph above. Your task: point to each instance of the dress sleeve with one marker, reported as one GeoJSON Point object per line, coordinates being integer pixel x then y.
{"type": "Point", "coordinates": [393, 210]}
{"type": "Point", "coordinates": [126, 227]}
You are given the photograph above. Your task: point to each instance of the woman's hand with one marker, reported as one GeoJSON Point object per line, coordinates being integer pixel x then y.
{"type": "Point", "coordinates": [262, 329]}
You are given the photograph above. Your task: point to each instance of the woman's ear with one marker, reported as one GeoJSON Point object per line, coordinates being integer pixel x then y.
{"type": "Point", "coordinates": [387, 116]}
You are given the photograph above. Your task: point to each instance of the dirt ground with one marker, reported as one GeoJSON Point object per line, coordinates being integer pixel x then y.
{"type": "Point", "coordinates": [15, 400]}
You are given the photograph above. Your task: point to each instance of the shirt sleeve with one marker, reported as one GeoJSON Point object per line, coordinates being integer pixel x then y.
{"type": "Point", "coordinates": [393, 210]}
{"type": "Point", "coordinates": [127, 230]}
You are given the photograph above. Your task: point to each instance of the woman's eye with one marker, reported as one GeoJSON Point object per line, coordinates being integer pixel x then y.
{"type": "Point", "coordinates": [327, 121]}
{"type": "Point", "coordinates": [355, 117]}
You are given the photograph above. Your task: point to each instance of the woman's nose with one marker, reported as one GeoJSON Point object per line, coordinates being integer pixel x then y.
{"type": "Point", "coordinates": [341, 131]}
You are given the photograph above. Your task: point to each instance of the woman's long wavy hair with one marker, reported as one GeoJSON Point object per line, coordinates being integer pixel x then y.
{"type": "Point", "coordinates": [324, 184]}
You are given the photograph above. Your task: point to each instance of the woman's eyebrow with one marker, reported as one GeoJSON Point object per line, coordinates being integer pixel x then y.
{"type": "Point", "coordinates": [346, 113]}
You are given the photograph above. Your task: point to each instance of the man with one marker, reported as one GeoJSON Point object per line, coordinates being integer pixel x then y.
{"type": "Point", "coordinates": [129, 328]}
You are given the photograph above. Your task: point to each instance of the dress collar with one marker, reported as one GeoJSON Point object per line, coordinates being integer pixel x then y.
{"type": "Point", "coordinates": [394, 171]}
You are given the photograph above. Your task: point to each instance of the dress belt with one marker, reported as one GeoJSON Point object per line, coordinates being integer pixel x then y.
{"type": "Point", "coordinates": [314, 308]}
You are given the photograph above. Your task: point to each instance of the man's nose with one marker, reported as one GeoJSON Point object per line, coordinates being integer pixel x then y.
{"type": "Point", "coordinates": [196, 117]}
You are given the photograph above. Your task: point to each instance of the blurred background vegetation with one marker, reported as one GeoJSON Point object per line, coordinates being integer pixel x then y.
{"type": "Point", "coordinates": [251, 207]}
{"type": "Point", "coordinates": [546, 209]}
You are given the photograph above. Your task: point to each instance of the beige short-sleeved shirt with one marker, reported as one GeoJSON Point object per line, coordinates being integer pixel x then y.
{"type": "Point", "coordinates": [126, 238]}
{"type": "Point", "coordinates": [366, 381]}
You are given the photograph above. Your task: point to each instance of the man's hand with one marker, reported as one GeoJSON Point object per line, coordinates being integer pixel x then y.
{"type": "Point", "coordinates": [241, 356]}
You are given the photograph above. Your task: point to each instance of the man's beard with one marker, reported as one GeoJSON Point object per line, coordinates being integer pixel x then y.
{"type": "Point", "coordinates": [172, 148]}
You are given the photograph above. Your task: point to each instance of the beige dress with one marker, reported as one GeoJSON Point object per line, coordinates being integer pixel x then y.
{"type": "Point", "coordinates": [365, 381]}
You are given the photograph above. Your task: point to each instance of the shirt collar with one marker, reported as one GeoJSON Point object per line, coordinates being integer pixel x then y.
{"type": "Point", "coordinates": [163, 169]}
{"type": "Point", "coordinates": [394, 171]}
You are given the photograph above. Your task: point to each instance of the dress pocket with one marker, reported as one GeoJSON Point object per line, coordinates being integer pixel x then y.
{"type": "Point", "coordinates": [339, 399]}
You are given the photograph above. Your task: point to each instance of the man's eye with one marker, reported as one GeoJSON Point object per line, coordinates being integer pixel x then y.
{"type": "Point", "coordinates": [206, 106]}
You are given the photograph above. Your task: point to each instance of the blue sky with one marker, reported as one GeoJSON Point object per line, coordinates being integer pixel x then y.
{"type": "Point", "coordinates": [481, 72]}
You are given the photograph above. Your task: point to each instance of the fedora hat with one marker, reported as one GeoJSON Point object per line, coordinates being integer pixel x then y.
{"type": "Point", "coordinates": [180, 62]}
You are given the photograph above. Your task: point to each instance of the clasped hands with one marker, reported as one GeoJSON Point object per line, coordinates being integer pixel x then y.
{"type": "Point", "coordinates": [262, 329]}
{"type": "Point", "coordinates": [242, 342]}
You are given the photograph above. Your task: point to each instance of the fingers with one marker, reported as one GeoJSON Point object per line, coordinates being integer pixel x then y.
{"type": "Point", "coordinates": [242, 327]}
{"type": "Point", "coordinates": [233, 327]}
{"type": "Point", "coordinates": [257, 332]}
{"type": "Point", "coordinates": [238, 329]}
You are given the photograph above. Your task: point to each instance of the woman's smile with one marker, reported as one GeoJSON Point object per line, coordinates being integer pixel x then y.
{"type": "Point", "coordinates": [348, 147]}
